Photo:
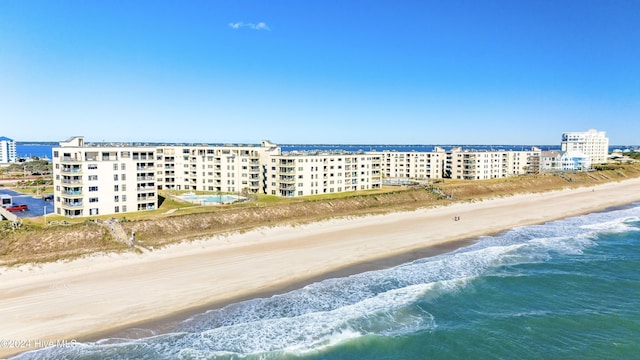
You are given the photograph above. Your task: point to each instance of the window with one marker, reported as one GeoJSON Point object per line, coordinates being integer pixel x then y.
{"type": "Point", "coordinates": [124, 187]}
{"type": "Point", "coordinates": [93, 177]}
{"type": "Point", "coordinates": [115, 166]}
{"type": "Point", "coordinates": [93, 211]}
{"type": "Point", "coordinates": [93, 188]}
{"type": "Point", "coordinates": [124, 198]}
{"type": "Point", "coordinates": [123, 177]}
{"type": "Point", "coordinates": [117, 209]}
{"type": "Point", "coordinates": [116, 188]}
{"type": "Point", "coordinates": [124, 208]}
{"type": "Point", "coordinates": [116, 198]}
{"type": "Point", "coordinates": [123, 167]}
{"type": "Point", "coordinates": [93, 200]}
{"type": "Point", "coordinates": [92, 166]}
{"type": "Point", "coordinates": [115, 177]}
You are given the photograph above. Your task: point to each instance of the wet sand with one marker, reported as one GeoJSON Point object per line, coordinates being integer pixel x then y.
{"type": "Point", "coordinates": [106, 294]}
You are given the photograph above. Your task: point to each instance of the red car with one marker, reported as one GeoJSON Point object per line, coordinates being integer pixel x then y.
{"type": "Point", "coordinates": [18, 208]}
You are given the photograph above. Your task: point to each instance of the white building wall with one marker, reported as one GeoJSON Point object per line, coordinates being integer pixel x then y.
{"type": "Point", "coordinates": [7, 150]}
{"type": "Point", "coordinates": [592, 143]}
{"type": "Point", "coordinates": [224, 168]}
{"type": "Point", "coordinates": [304, 174]}
{"type": "Point", "coordinates": [103, 180]}
{"type": "Point", "coordinates": [481, 165]}
{"type": "Point", "coordinates": [413, 165]}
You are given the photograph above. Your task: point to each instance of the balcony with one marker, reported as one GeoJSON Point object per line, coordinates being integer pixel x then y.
{"type": "Point", "coordinates": [286, 170]}
{"type": "Point", "coordinates": [75, 170]}
{"type": "Point", "coordinates": [287, 187]}
{"type": "Point", "coordinates": [72, 204]}
{"type": "Point", "coordinates": [287, 179]}
{"type": "Point", "coordinates": [70, 160]}
{"type": "Point", "coordinates": [72, 181]}
{"type": "Point", "coordinates": [71, 193]}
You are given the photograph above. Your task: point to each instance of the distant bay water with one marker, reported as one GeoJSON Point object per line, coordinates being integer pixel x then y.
{"type": "Point", "coordinates": [43, 151]}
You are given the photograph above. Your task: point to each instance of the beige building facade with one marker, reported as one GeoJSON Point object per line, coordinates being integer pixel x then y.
{"type": "Point", "coordinates": [313, 173]}
{"type": "Point", "coordinates": [592, 143]}
{"type": "Point", "coordinates": [482, 165]}
{"type": "Point", "coordinates": [100, 180]}
{"type": "Point", "coordinates": [413, 165]}
{"type": "Point", "coordinates": [224, 168]}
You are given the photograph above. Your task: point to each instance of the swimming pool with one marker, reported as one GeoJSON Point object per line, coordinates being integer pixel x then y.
{"type": "Point", "coordinates": [211, 199]}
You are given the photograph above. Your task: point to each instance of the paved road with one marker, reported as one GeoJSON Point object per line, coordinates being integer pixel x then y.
{"type": "Point", "coordinates": [36, 205]}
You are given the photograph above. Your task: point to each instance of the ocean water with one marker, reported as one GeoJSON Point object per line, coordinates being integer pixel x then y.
{"type": "Point", "coordinates": [568, 289]}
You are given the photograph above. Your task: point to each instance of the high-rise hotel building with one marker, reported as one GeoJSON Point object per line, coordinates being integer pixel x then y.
{"type": "Point", "coordinates": [592, 143]}
{"type": "Point", "coordinates": [7, 150]}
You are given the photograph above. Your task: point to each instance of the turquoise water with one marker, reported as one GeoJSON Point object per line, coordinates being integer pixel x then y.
{"type": "Point", "coordinates": [568, 289]}
{"type": "Point", "coordinates": [220, 199]}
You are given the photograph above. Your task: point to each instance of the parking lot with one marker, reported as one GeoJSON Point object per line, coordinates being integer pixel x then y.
{"type": "Point", "coordinates": [37, 206]}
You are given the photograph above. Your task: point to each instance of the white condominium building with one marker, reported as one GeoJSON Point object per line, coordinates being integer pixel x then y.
{"type": "Point", "coordinates": [224, 168]}
{"type": "Point", "coordinates": [100, 180]}
{"type": "Point", "coordinates": [7, 150]}
{"type": "Point", "coordinates": [312, 173]}
{"type": "Point", "coordinates": [592, 143]}
{"type": "Point", "coordinates": [413, 165]}
{"type": "Point", "coordinates": [109, 179]}
{"type": "Point", "coordinates": [482, 165]}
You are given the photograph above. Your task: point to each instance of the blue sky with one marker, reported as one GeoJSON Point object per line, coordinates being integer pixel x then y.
{"type": "Point", "coordinates": [356, 72]}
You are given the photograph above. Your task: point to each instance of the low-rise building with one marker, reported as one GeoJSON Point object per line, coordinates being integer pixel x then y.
{"type": "Point", "coordinates": [482, 165]}
{"type": "Point", "coordinates": [220, 168]}
{"type": "Point", "coordinates": [102, 179]}
{"type": "Point", "coordinates": [312, 173]}
{"type": "Point", "coordinates": [413, 165]}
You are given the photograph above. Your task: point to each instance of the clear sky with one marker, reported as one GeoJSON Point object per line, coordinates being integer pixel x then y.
{"type": "Point", "coordinates": [310, 71]}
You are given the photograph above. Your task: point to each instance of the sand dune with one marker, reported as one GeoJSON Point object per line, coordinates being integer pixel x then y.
{"type": "Point", "coordinates": [67, 301]}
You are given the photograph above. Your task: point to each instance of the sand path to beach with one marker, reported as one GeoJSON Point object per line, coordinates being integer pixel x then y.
{"type": "Point", "coordinates": [64, 301]}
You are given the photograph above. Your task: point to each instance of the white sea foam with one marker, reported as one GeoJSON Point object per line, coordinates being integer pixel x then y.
{"type": "Point", "coordinates": [388, 302]}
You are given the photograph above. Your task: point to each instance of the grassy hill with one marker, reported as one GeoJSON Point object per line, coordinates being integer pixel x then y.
{"type": "Point", "coordinates": [176, 221]}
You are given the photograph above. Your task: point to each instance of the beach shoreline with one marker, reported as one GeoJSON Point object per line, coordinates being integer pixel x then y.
{"type": "Point", "coordinates": [87, 299]}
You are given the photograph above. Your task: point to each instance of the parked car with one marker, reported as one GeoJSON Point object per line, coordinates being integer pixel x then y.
{"type": "Point", "coordinates": [17, 207]}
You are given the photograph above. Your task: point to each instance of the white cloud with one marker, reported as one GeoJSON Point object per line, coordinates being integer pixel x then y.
{"type": "Point", "coordinates": [258, 26]}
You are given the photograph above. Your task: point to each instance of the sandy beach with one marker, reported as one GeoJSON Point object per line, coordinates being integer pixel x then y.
{"type": "Point", "coordinates": [65, 302]}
